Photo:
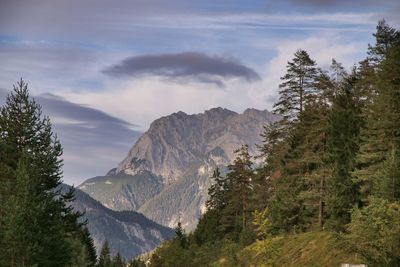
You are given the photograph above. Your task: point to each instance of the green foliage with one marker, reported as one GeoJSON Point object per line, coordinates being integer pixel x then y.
{"type": "Point", "coordinates": [216, 192]}
{"type": "Point", "coordinates": [89, 245]}
{"type": "Point", "coordinates": [374, 232]}
{"type": "Point", "coordinates": [387, 185]}
{"type": "Point", "coordinates": [181, 237]}
{"type": "Point", "coordinates": [104, 257]}
{"type": "Point", "coordinates": [117, 261]}
{"type": "Point", "coordinates": [137, 262]}
{"type": "Point", "coordinates": [342, 147]}
{"type": "Point", "coordinates": [298, 86]}
{"type": "Point", "coordinates": [380, 136]}
{"type": "Point", "coordinates": [235, 215]}
{"type": "Point", "coordinates": [262, 223]}
{"type": "Point", "coordinates": [207, 228]}
{"type": "Point", "coordinates": [385, 38]}
{"type": "Point", "coordinates": [37, 224]}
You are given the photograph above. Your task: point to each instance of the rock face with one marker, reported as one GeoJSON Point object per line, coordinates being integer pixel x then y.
{"type": "Point", "coordinates": [128, 232]}
{"type": "Point", "coordinates": [179, 153]}
{"type": "Point", "coordinates": [174, 142]}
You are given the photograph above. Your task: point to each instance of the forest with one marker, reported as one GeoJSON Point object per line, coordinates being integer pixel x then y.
{"type": "Point", "coordinates": [328, 189]}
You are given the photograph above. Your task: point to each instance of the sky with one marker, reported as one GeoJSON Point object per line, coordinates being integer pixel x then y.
{"type": "Point", "coordinates": [104, 69]}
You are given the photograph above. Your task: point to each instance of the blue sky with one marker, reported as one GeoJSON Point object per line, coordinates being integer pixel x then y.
{"type": "Point", "coordinates": [105, 69]}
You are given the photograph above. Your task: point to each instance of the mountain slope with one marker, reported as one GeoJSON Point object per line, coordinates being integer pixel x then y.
{"type": "Point", "coordinates": [128, 232]}
{"type": "Point", "coordinates": [121, 191]}
{"type": "Point", "coordinates": [166, 173]}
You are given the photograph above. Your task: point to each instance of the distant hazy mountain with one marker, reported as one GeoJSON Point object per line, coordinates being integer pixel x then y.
{"type": "Point", "coordinates": [166, 173]}
{"type": "Point", "coordinates": [128, 232]}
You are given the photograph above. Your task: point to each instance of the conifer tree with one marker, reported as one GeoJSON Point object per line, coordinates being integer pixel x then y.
{"type": "Point", "coordinates": [271, 151]}
{"type": "Point", "coordinates": [180, 235]}
{"type": "Point", "coordinates": [238, 193]}
{"type": "Point", "coordinates": [342, 147]}
{"type": "Point", "coordinates": [380, 136]}
{"type": "Point", "coordinates": [104, 257]}
{"type": "Point", "coordinates": [118, 261]}
{"type": "Point", "coordinates": [216, 192]}
{"type": "Point", "coordinates": [298, 86]}
{"type": "Point", "coordinates": [387, 184]}
{"type": "Point", "coordinates": [87, 240]}
{"type": "Point", "coordinates": [385, 38]}
{"type": "Point", "coordinates": [38, 223]}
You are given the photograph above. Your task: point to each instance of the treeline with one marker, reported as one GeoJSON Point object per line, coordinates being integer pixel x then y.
{"type": "Point", "coordinates": [332, 163]}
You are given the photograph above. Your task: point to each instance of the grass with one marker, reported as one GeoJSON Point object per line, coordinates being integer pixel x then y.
{"type": "Point", "coordinates": [302, 250]}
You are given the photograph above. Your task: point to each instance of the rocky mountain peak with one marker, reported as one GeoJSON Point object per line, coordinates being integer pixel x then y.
{"type": "Point", "coordinates": [219, 111]}
{"type": "Point", "coordinates": [166, 174]}
{"type": "Point", "coordinates": [177, 140]}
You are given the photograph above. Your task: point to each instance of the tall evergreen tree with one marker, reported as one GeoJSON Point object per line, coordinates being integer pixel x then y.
{"type": "Point", "coordinates": [342, 147]}
{"type": "Point", "coordinates": [240, 183]}
{"type": "Point", "coordinates": [385, 38]}
{"type": "Point", "coordinates": [298, 86]}
{"type": "Point", "coordinates": [87, 240]}
{"type": "Point", "coordinates": [37, 224]}
{"type": "Point", "coordinates": [216, 192]}
{"type": "Point", "coordinates": [104, 257]}
{"type": "Point", "coordinates": [380, 136]}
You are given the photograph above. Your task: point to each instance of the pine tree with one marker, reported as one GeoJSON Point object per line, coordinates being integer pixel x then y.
{"type": "Point", "coordinates": [342, 147]}
{"type": "Point", "coordinates": [216, 192]}
{"type": "Point", "coordinates": [87, 240]}
{"type": "Point", "coordinates": [387, 184]}
{"type": "Point", "coordinates": [385, 38]}
{"type": "Point", "coordinates": [118, 261]}
{"type": "Point", "coordinates": [36, 210]}
{"type": "Point", "coordinates": [381, 133]}
{"type": "Point", "coordinates": [239, 188]}
{"type": "Point", "coordinates": [104, 258]}
{"type": "Point", "coordinates": [298, 86]}
{"type": "Point", "coordinates": [271, 151]}
{"type": "Point", "coordinates": [180, 235]}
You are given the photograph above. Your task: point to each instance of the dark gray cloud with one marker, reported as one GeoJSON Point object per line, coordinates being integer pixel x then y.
{"type": "Point", "coordinates": [192, 65]}
{"type": "Point", "coordinates": [93, 140]}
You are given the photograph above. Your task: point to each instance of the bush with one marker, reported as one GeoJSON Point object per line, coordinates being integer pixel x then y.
{"type": "Point", "coordinates": [374, 232]}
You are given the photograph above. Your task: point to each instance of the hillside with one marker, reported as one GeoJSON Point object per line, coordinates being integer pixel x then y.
{"type": "Point", "coordinates": [128, 232]}
{"type": "Point", "coordinates": [307, 249]}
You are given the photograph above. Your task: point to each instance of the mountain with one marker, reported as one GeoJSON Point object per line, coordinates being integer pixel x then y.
{"type": "Point", "coordinates": [128, 232]}
{"type": "Point", "coordinates": [166, 173]}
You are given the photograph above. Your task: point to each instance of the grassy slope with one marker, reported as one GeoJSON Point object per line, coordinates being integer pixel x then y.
{"type": "Point", "coordinates": [302, 250]}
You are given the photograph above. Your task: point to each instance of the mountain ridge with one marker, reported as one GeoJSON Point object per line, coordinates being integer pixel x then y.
{"type": "Point", "coordinates": [170, 165]}
{"type": "Point", "coordinates": [193, 136]}
{"type": "Point", "coordinates": [127, 232]}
